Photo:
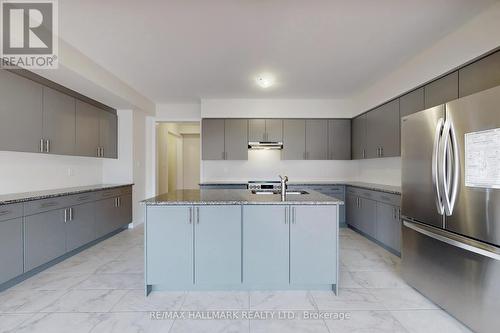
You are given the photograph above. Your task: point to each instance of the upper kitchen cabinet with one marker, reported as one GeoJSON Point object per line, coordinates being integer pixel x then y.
{"type": "Point", "coordinates": [480, 75]}
{"type": "Point", "coordinates": [316, 139]}
{"type": "Point", "coordinates": [294, 139]}
{"type": "Point", "coordinates": [108, 134]}
{"type": "Point", "coordinates": [412, 102]}
{"type": "Point", "coordinates": [59, 125]}
{"type": "Point", "coordinates": [382, 131]}
{"type": "Point", "coordinates": [20, 113]}
{"type": "Point", "coordinates": [358, 135]}
{"type": "Point", "coordinates": [224, 139]}
{"type": "Point", "coordinates": [256, 130]}
{"type": "Point", "coordinates": [339, 139]}
{"type": "Point", "coordinates": [236, 139]}
{"type": "Point", "coordinates": [270, 130]}
{"type": "Point", "coordinates": [442, 90]}
{"type": "Point", "coordinates": [212, 139]}
{"type": "Point", "coordinates": [87, 129]}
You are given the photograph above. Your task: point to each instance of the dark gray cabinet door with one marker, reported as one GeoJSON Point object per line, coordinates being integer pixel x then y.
{"type": "Point", "coordinates": [388, 226]}
{"type": "Point", "coordinates": [339, 139]}
{"type": "Point", "coordinates": [480, 75]}
{"type": "Point", "coordinates": [294, 139]}
{"type": "Point", "coordinates": [368, 217]}
{"type": "Point", "coordinates": [442, 90]}
{"type": "Point", "coordinates": [59, 122]}
{"type": "Point", "coordinates": [87, 129]}
{"type": "Point", "coordinates": [20, 113]}
{"type": "Point", "coordinates": [352, 213]}
{"type": "Point", "coordinates": [44, 238]}
{"type": "Point", "coordinates": [236, 139]}
{"type": "Point", "coordinates": [11, 249]}
{"type": "Point", "coordinates": [80, 230]}
{"type": "Point", "coordinates": [412, 102]}
{"type": "Point", "coordinates": [274, 130]}
{"type": "Point", "coordinates": [256, 130]}
{"type": "Point", "coordinates": [358, 136]}
{"type": "Point", "coordinates": [212, 139]}
{"type": "Point", "coordinates": [382, 131]}
{"type": "Point", "coordinates": [316, 139]}
{"type": "Point", "coordinates": [107, 213]}
{"type": "Point", "coordinates": [125, 210]}
{"type": "Point", "coordinates": [108, 134]}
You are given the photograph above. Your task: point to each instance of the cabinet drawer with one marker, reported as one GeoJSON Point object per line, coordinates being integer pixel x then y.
{"type": "Point", "coordinates": [108, 194]}
{"type": "Point", "coordinates": [8, 212]}
{"type": "Point", "coordinates": [125, 190]}
{"type": "Point", "coordinates": [44, 205]}
{"type": "Point", "coordinates": [391, 199]}
{"type": "Point", "coordinates": [81, 198]}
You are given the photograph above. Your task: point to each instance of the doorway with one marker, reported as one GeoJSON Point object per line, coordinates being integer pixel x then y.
{"type": "Point", "coordinates": [178, 156]}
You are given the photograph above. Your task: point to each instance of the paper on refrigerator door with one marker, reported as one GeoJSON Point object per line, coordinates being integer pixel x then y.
{"type": "Point", "coordinates": [482, 159]}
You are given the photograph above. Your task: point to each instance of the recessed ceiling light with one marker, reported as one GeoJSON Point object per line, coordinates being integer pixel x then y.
{"type": "Point", "coordinates": [265, 81]}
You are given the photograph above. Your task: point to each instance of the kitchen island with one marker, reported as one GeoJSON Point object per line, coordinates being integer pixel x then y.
{"type": "Point", "coordinates": [236, 239]}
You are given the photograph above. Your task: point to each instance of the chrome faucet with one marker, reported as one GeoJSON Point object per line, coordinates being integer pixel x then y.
{"type": "Point", "coordinates": [284, 180]}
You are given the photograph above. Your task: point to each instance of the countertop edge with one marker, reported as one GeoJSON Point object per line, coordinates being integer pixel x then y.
{"type": "Point", "coordinates": [63, 193]}
{"type": "Point", "coordinates": [241, 203]}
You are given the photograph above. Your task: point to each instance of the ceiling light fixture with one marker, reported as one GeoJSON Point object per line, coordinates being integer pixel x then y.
{"type": "Point", "coordinates": [265, 81]}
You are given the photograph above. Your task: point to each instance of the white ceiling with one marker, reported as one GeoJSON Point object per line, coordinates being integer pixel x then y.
{"type": "Point", "coordinates": [184, 50]}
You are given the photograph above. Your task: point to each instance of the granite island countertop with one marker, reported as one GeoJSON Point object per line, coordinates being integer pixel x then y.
{"type": "Point", "coordinates": [12, 198]}
{"type": "Point", "coordinates": [369, 186]}
{"type": "Point", "coordinates": [237, 197]}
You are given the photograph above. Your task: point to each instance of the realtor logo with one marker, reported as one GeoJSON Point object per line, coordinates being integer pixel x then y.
{"type": "Point", "coordinates": [29, 34]}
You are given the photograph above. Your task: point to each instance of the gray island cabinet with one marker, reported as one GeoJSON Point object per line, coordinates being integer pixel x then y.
{"type": "Point", "coordinates": [233, 239]}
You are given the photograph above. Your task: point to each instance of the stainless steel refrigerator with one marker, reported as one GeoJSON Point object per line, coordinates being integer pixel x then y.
{"type": "Point", "coordinates": [451, 207]}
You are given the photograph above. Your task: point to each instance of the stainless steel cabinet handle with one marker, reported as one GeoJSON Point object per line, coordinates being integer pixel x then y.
{"type": "Point", "coordinates": [98, 152]}
{"type": "Point", "coordinates": [102, 151]}
{"type": "Point", "coordinates": [71, 214]}
{"type": "Point", "coordinates": [41, 145]}
{"type": "Point", "coordinates": [190, 213]}
{"type": "Point", "coordinates": [197, 215]}
{"type": "Point", "coordinates": [381, 151]}
{"type": "Point", "coordinates": [65, 215]}
{"type": "Point", "coordinates": [364, 153]}
{"type": "Point", "coordinates": [47, 146]}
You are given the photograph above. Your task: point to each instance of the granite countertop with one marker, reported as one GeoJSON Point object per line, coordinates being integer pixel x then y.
{"type": "Point", "coordinates": [237, 197]}
{"type": "Point", "coordinates": [38, 195]}
{"type": "Point", "coordinates": [370, 186]}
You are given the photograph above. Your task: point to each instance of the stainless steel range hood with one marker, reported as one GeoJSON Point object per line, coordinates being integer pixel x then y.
{"type": "Point", "coordinates": [265, 145]}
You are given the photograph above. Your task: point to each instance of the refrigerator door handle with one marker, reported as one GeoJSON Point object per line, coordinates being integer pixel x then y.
{"type": "Point", "coordinates": [455, 240]}
{"type": "Point", "coordinates": [435, 166]}
{"type": "Point", "coordinates": [456, 167]}
{"type": "Point", "coordinates": [449, 167]}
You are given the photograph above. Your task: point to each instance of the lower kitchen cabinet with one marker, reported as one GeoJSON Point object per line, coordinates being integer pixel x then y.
{"type": "Point", "coordinates": [377, 217]}
{"type": "Point", "coordinates": [389, 226]}
{"type": "Point", "coordinates": [124, 211]}
{"type": "Point", "coordinates": [11, 249]}
{"type": "Point", "coordinates": [367, 218]}
{"type": "Point", "coordinates": [44, 238]}
{"type": "Point", "coordinates": [217, 244]}
{"type": "Point", "coordinates": [313, 244]}
{"type": "Point", "coordinates": [171, 227]}
{"type": "Point", "coordinates": [80, 228]}
{"type": "Point", "coordinates": [106, 212]}
{"type": "Point", "coordinates": [265, 244]}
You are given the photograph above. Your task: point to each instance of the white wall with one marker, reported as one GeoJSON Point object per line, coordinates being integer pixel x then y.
{"type": "Point", "coordinates": [277, 108]}
{"type": "Point", "coordinates": [139, 165]}
{"type": "Point", "coordinates": [25, 172]}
